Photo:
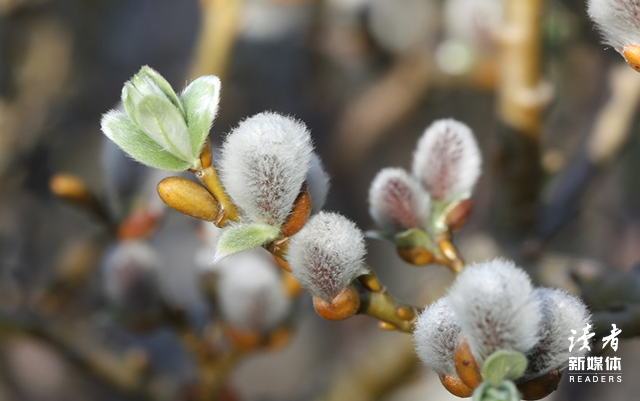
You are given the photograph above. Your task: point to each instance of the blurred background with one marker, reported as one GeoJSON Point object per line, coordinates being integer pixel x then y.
{"type": "Point", "coordinates": [554, 111]}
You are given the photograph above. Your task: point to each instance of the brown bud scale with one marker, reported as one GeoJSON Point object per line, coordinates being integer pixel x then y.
{"type": "Point", "coordinates": [458, 215]}
{"type": "Point", "coordinates": [299, 215]}
{"type": "Point", "coordinates": [466, 365]}
{"type": "Point", "coordinates": [455, 386]}
{"type": "Point", "coordinates": [343, 306]}
{"type": "Point", "coordinates": [631, 55]}
{"type": "Point", "coordinates": [540, 387]}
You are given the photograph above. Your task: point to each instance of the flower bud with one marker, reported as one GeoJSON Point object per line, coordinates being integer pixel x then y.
{"type": "Point", "coordinates": [189, 198]}
{"type": "Point", "coordinates": [561, 313]}
{"type": "Point", "coordinates": [495, 307]}
{"type": "Point", "coordinates": [447, 160]}
{"type": "Point", "coordinates": [250, 291]}
{"type": "Point", "coordinates": [397, 202]}
{"type": "Point", "coordinates": [327, 255]}
{"type": "Point", "coordinates": [264, 162]}
{"type": "Point", "coordinates": [435, 337]}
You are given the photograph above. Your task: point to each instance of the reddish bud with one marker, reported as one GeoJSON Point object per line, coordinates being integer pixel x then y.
{"type": "Point", "coordinates": [467, 367]}
{"type": "Point", "coordinates": [299, 215]}
{"type": "Point", "coordinates": [455, 386]}
{"type": "Point", "coordinates": [458, 215]}
{"type": "Point", "coordinates": [343, 306]}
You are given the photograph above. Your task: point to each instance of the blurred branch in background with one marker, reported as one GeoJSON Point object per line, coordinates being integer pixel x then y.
{"type": "Point", "coordinates": [40, 65]}
{"type": "Point", "coordinates": [388, 364]}
{"type": "Point", "coordinates": [522, 98]}
{"type": "Point", "coordinates": [219, 30]}
{"type": "Point", "coordinates": [611, 130]}
{"type": "Point", "coordinates": [127, 376]}
{"type": "Point", "coordinates": [381, 106]}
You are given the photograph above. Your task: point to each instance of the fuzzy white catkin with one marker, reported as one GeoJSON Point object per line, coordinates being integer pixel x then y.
{"type": "Point", "coordinates": [250, 291]}
{"type": "Point", "coordinates": [318, 182]}
{"type": "Point", "coordinates": [561, 313]}
{"type": "Point", "coordinates": [494, 304]}
{"type": "Point", "coordinates": [435, 337]}
{"type": "Point", "coordinates": [397, 202]}
{"type": "Point", "coordinates": [264, 162]}
{"type": "Point", "coordinates": [130, 275]}
{"type": "Point", "coordinates": [617, 20]}
{"type": "Point", "coordinates": [447, 160]}
{"type": "Point", "coordinates": [327, 254]}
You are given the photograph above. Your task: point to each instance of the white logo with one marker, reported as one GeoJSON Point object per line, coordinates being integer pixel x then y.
{"type": "Point", "coordinates": [595, 369]}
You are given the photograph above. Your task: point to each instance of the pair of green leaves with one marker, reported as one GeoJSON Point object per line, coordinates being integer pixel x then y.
{"type": "Point", "coordinates": [160, 128]}
{"type": "Point", "coordinates": [499, 370]}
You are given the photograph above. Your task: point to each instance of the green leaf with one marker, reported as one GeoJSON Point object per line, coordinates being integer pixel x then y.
{"type": "Point", "coordinates": [149, 78]}
{"type": "Point", "coordinates": [243, 237]}
{"type": "Point", "coordinates": [200, 100]}
{"type": "Point", "coordinates": [163, 123]}
{"type": "Point", "coordinates": [503, 365]}
{"type": "Point", "coordinates": [414, 238]}
{"type": "Point", "coordinates": [505, 391]}
{"type": "Point", "coordinates": [117, 126]}
{"type": "Point", "coordinates": [131, 96]}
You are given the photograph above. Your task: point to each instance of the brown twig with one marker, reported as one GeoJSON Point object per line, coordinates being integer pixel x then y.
{"type": "Point", "coordinates": [522, 97]}
{"type": "Point", "coordinates": [90, 358]}
{"type": "Point", "coordinates": [220, 25]}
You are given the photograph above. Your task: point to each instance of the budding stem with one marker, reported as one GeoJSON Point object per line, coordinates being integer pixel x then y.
{"type": "Point", "coordinates": [448, 255]}
{"type": "Point", "coordinates": [210, 179]}
{"type": "Point", "coordinates": [382, 306]}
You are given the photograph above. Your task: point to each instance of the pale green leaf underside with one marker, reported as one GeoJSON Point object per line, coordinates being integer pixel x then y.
{"type": "Point", "coordinates": [123, 132]}
{"type": "Point", "coordinates": [243, 237]}
{"type": "Point", "coordinates": [505, 391]}
{"type": "Point", "coordinates": [149, 73]}
{"type": "Point", "coordinates": [200, 100]}
{"type": "Point", "coordinates": [163, 123]}
{"type": "Point", "coordinates": [414, 237]}
{"type": "Point", "coordinates": [504, 365]}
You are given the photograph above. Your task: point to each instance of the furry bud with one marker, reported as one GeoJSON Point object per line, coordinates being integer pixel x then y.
{"type": "Point", "coordinates": [397, 202]}
{"type": "Point", "coordinates": [617, 20]}
{"type": "Point", "coordinates": [561, 313]}
{"type": "Point", "coordinates": [435, 336]}
{"type": "Point", "coordinates": [447, 160]}
{"type": "Point", "coordinates": [327, 255]}
{"type": "Point", "coordinates": [250, 291]}
{"type": "Point", "coordinates": [264, 162]}
{"type": "Point", "coordinates": [495, 307]}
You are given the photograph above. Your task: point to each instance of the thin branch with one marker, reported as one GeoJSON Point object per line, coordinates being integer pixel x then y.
{"type": "Point", "coordinates": [89, 358]}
